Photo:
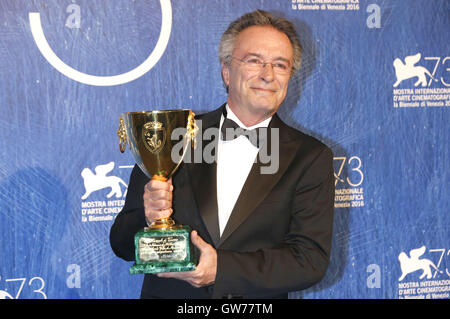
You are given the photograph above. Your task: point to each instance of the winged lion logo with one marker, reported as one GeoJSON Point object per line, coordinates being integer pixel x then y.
{"type": "Point", "coordinates": [412, 263]}
{"type": "Point", "coordinates": [408, 70]}
{"type": "Point", "coordinates": [99, 180]}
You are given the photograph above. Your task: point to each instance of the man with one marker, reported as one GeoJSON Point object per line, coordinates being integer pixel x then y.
{"type": "Point", "coordinates": [259, 235]}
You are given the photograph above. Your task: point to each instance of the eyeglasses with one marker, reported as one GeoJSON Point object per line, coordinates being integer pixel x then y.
{"type": "Point", "coordinates": [256, 64]}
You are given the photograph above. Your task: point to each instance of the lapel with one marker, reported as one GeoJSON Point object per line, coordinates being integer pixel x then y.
{"type": "Point", "coordinates": [203, 176]}
{"type": "Point", "coordinates": [258, 186]}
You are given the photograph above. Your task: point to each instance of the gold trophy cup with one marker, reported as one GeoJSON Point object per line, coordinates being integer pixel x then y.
{"type": "Point", "coordinates": [164, 246]}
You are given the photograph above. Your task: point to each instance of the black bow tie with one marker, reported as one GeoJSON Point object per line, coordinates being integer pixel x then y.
{"type": "Point", "coordinates": [231, 130]}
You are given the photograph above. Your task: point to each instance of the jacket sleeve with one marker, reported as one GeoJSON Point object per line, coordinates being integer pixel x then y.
{"type": "Point", "coordinates": [131, 218]}
{"type": "Point", "coordinates": [301, 260]}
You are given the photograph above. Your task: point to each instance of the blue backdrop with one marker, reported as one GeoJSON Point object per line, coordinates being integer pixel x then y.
{"type": "Point", "coordinates": [374, 86]}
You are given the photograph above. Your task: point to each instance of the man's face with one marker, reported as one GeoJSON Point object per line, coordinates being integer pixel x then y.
{"type": "Point", "coordinates": [258, 92]}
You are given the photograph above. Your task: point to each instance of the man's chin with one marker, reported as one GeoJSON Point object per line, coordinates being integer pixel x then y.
{"type": "Point", "coordinates": [263, 107]}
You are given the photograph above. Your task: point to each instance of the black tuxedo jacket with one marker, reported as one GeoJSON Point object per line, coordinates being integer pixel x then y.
{"type": "Point", "coordinates": [278, 237]}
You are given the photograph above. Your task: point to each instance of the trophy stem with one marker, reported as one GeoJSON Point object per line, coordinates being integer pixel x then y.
{"type": "Point", "coordinates": [163, 224]}
{"type": "Point", "coordinates": [159, 178]}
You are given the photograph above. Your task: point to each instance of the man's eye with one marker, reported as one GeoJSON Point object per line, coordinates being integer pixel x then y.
{"type": "Point", "coordinates": [254, 61]}
{"type": "Point", "coordinates": [280, 66]}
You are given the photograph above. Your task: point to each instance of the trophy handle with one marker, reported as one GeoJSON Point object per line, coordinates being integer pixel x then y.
{"type": "Point", "coordinates": [192, 129]}
{"type": "Point", "coordinates": [190, 136]}
{"type": "Point", "coordinates": [122, 133]}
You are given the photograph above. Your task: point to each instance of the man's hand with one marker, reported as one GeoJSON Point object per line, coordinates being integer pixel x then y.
{"type": "Point", "coordinates": [205, 272]}
{"type": "Point", "coordinates": [158, 199]}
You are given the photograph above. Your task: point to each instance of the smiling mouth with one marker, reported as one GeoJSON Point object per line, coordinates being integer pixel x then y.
{"type": "Point", "coordinates": [263, 90]}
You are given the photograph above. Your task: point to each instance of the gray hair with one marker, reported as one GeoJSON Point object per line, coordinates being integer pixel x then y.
{"type": "Point", "coordinates": [259, 18]}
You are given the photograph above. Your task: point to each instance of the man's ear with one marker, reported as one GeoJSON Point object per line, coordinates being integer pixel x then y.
{"type": "Point", "coordinates": [225, 74]}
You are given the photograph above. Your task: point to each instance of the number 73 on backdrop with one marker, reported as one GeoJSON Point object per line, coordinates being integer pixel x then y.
{"type": "Point", "coordinates": [353, 166]}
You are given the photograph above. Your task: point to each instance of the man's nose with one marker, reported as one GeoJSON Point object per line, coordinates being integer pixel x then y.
{"type": "Point", "coordinates": [267, 72]}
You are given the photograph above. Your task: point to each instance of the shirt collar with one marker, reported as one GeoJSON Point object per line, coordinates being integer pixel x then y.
{"type": "Point", "coordinates": [233, 117]}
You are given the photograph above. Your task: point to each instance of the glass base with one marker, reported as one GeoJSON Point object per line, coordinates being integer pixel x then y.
{"type": "Point", "coordinates": [154, 269]}
{"type": "Point", "coordinates": [164, 250]}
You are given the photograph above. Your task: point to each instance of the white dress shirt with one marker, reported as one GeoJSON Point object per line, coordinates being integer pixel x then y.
{"type": "Point", "coordinates": [234, 161]}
